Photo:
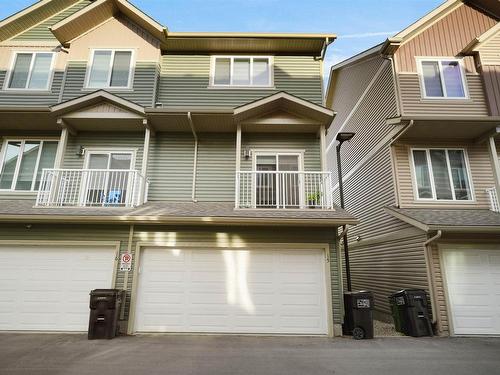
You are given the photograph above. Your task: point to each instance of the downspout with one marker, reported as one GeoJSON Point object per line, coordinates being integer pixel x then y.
{"type": "Point", "coordinates": [430, 274]}
{"type": "Point", "coordinates": [395, 82]}
{"type": "Point", "coordinates": [326, 43]}
{"type": "Point", "coordinates": [195, 161]}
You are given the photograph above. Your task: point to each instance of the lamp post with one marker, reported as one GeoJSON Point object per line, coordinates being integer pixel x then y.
{"type": "Point", "coordinates": [341, 138]}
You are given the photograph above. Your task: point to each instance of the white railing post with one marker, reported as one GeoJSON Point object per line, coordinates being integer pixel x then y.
{"type": "Point", "coordinates": [493, 198]}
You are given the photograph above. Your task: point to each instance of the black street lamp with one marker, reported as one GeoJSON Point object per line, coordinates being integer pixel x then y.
{"type": "Point", "coordinates": [341, 138]}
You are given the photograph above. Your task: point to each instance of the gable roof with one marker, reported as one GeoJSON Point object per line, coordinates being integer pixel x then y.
{"type": "Point", "coordinates": [31, 16]}
{"type": "Point", "coordinates": [287, 102]}
{"type": "Point", "coordinates": [100, 11]}
{"type": "Point", "coordinates": [476, 43]}
{"type": "Point", "coordinates": [95, 98]}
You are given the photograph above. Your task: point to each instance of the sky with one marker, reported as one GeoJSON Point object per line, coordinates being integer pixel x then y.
{"type": "Point", "coordinates": [359, 24]}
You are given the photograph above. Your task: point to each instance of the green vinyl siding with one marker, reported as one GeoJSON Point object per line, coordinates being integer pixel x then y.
{"type": "Point", "coordinates": [184, 81]}
{"type": "Point", "coordinates": [179, 236]}
{"type": "Point", "coordinates": [142, 91]}
{"type": "Point", "coordinates": [102, 141]}
{"type": "Point", "coordinates": [170, 167]}
{"type": "Point", "coordinates": [29, 98]}
{"type": "Point", "coordinates": [42, 32]}
{"type": "Point", "coordinates": [309, 143]}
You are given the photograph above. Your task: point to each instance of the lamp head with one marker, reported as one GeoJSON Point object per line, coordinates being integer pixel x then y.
{"type": "Point", "coordinates": [342, 137]}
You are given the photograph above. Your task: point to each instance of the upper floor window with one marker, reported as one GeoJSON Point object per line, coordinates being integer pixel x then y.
{"type": "Point", "coordinates": [31, 71]}
{"type": "Point", "coordinates": [22, 162]}
{"type": "Point", "coordinates": [441, 174]}
{"type": "Point", "coordinates": [110, 69]}
{"type": "Point", "coordinates": [242, 71]}
{"type": "Point", "coordinates": [443, 78]}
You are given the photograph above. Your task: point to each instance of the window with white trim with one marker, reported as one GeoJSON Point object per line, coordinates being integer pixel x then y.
{"type": "Point", "coordinates": [23, 162]}
{"type": "Point", "coordinates": [31, 71]}
{"type": "Point", "coordinates": [110, 69]}
{"type": "Point", "coordinates": [242, 71]}
{"type": "Point", "coordinates": [443, 78]}
{"type": "Point", "coordinates": [441, 174]}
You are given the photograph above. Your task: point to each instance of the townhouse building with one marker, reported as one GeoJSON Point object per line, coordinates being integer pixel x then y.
{"type": "Point", "coordinates": [422, 171]}
{"type": "Point", "coordinates": [199, 156]}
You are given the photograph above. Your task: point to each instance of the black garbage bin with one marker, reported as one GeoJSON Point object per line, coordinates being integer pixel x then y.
{"type": "Point", "coordinates": [358, 318]}
{"type": "Point", "coordinates": [105, 306]}
{"type": "Point", "coordinates": [411, 313]}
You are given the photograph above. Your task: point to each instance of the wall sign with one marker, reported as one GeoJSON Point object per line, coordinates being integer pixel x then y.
{"type": "Point", "coordinates": [126, 262]}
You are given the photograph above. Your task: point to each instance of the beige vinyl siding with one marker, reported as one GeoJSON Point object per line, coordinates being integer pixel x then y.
{"type": "Point", "coordinates": [350, 83]}
{"type": "Point", "coordinates": [439, 292]}
{"type": "Point", "coordinates": [447, 37]}
{"type": "Point", "coordinates": [489, 51]}
{"type": "Point", "coordinates": [216, 170]}
{"type": "Point", "coordinates": [389, 265]}
{"type": "Point", "coordinates": [31, 98]}
{"type": "Point", "coordinates": [102, 141]}
{"type": "Point", "coordinates": [142, 92]}
{"type": "Point", "coordinates": [367, 192]}
{"type": "Point", "coordinates": [184, 81]}
{"type": "Point", "coordinates": [309, 143]}
{"type": "Point", "coordinates": [414, 103]}
{"type": "Point", "coordinates": [491, 77]}
{"type": "Point", "coordinates": [481, 176]}
{"type": "Point", "coordinates": [41, 31]}
{"type": "Point", "coordinates": [368, 122]}
{"type": "Point", "coordinates": [170, 167]}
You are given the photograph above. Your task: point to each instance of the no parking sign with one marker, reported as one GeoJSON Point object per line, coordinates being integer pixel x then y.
{"type": "Point", "coordinates": [126, 262]}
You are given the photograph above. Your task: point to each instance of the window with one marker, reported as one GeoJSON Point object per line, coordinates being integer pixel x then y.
{"type": "Point", "coordinates": [110, 69]}
{"type": "Point", "coordinates": [443, 79]}
{"type": "Point", "coordinates": [23, 162]}
{"type": "Point", "coordinates": [31, 71]}
{"type": "Point", "coordinates": [441, 174]}
{"type": "Point", "coordinates": [241, 71]}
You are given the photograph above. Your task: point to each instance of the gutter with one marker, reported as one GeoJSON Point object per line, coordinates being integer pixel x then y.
{"type": "Point", "coordinates": [430, 274]}
{"type": "Point", "coordinates": [326, 43]}
{"type": "Point", "coordinates": [195, 157]}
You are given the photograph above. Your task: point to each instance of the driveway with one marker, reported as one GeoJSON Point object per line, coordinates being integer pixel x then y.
{"type": "Point", "coordinates": [178, 355]}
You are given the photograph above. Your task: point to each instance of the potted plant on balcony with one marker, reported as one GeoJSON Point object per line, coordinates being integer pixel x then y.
{"type": "Point", "coordinates": [314, 199]}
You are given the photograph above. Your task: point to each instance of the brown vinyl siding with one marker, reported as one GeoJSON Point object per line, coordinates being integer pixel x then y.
{"type": "Point", "coordinates": [491, 78]}
{"type": "Point", "coordinates": [481, 176]}
{"type": "Point", "coordinates": [414, 103]}
{"type": "Point", "coordinates": [447, 37]}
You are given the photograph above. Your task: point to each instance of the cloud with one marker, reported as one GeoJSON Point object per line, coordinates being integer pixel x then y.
{"type": "Point", "coordinates": [367, 35]}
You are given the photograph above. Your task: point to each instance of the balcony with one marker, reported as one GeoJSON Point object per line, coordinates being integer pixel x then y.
{"type": "Point", "coordinates": [493, 198]}
{"type": "Point", "coordinates": [284, 190]}
{"type": "Point", "coordinates": [91, 188]}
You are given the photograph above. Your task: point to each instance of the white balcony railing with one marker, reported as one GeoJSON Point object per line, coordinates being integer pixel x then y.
{"type": "Point", "coordinates": [268, 189]}
{"type": "Point", "coordinates": [492, 195]}
{"type": "Point", "coordinates": [91, 188]}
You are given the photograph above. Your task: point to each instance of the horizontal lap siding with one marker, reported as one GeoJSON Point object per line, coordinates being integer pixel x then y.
{"type": "Point", "coordinates": [31, 98]}
{"type": "Point", "coordinates": [276, 142]}
{"type": "Point", "coordinates": [42, 32]}
{"type": "Point", "coordinates": [490, 51]}
{"type": "Point", "coordinates": [170, 167]}
{"type": "Point", "coordinates": [368, 122]}
{"type": "Point", "coordinates": [102, 141]}
{"type": "Point", "coordinates": [414, 104]}
{"type": "Point", "coordinates": [389, 266]}
{"type": "Point", "coordinates": [481, 175]}
{"type": "Point", "coordinates": [216, 168]}
{"type": "Point", "coordinates": [184, 81]}
{"type": "Point", "coordinates": [440, 295]}
{"type": "Point", "coordinates": [367, 192]}
{"type": "Point", "coordinates": [142, 92]}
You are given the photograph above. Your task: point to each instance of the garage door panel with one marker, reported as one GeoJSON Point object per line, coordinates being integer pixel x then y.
{"type": "Point", "coordinates": [473, 290]}
{"type": "Point", "coordinates": [49, 289]}
{"type": "Point", "coordinates": [236, 291]}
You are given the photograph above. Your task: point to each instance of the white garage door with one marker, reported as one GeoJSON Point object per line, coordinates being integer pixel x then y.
{"type": "Point", "coordinates": [47, 287]}
{"type": "Point", "coordinates": [473, 280]}
{"type": "Point", "coordinates": [231, 291]}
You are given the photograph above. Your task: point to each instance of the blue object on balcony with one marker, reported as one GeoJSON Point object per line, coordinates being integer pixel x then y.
{"type": "Point", "coordinates": [114, 197]}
